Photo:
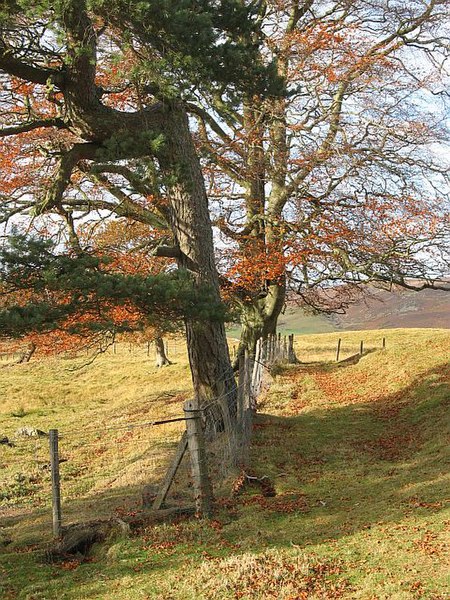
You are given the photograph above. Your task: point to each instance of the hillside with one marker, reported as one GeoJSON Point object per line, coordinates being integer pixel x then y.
{"type": "Point", "coordinates": [356, 452]}
{"type": "Point", "coordinates": [380, 309]}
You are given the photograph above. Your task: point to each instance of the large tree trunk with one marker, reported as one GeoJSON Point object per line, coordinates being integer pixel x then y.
{"type": "Point", "coordinates": [259, 318]}
{"type": "Point", "coordinates": [209, 358]}
{"type": "Point", "coordinates": [161, 356]}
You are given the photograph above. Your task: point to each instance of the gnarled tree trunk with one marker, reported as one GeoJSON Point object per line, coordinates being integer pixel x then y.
{"type": "Point", "coordinates": [209, 358]}
{"type": "Point", "coordinates": [259, 318]}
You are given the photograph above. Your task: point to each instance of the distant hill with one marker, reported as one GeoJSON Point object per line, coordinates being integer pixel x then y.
{"type": "Point", "coordinates": [380, 309]}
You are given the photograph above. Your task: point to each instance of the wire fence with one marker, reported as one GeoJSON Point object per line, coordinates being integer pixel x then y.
{"type": "Point", "coordinates": [102, 471]}
{"type": "Point", "coordinates": [174, 460]}
{"type": "Point", "coordinates": [173, 347]}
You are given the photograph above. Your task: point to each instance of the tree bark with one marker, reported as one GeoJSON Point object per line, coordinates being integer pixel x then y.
{"type": "Point", "coordinates": [259, 318]}
{"type": "Point", "coordinates": [211, 369]}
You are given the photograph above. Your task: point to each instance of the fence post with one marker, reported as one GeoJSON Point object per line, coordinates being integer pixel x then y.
{"type": "Point", "coordinates": [361, 347]}
{"type": "Point", "coordinates": [197, 451]}
{"type": "Point", "coordinates": [292, 358]}
{"type": "Point", "coordinates": [56, 491]}
{"type": "Point", "coordinates": [338, 350]}
{"type": "Point", "coordinates": [241, 390]}
{"type": "Point", "coordinates": [384, 343]}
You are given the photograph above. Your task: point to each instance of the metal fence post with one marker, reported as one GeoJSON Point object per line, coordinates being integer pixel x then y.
{"type": "Point", "coordinates": [56, 491]}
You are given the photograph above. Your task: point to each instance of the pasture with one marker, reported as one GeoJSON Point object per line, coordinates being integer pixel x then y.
{"type": "Point", "coordinates": [356, 453]}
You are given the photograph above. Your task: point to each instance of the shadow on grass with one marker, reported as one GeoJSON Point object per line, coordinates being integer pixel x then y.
{"type": "Point", "coordinates": [330, 366]}
{"type": "Point", "coordinates": [359, 464]}
{"type": "Point", "coordinates": [337, 471]}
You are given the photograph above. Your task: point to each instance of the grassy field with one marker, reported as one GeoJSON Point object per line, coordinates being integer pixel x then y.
{"type": "Point", "coordinates": [357, 454]}
{"type": "Point", "coordinates": [294, 320]}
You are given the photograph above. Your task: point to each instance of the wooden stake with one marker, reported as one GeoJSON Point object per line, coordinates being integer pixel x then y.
{"type": "Point", "coordinates": [56, 491]}
{"type": "Point", "coordinates": [241, 389]}
{"type": "Point", "coordinates": [338, 350]}
{"type": "Point", "coordinates": [170, 475]}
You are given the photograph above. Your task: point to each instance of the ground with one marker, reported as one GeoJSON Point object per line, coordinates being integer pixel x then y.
{"type": "Point", "coordinates": [356, 453]}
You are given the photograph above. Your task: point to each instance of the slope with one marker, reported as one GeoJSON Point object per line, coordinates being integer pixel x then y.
{"type": "Point", "coordinates": [357, 454]}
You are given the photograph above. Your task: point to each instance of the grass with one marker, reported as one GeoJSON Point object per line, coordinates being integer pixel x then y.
{"type": "Point", "coordinates": [357, 453]}
{"type": "Point", "coordinates": [296, 321]}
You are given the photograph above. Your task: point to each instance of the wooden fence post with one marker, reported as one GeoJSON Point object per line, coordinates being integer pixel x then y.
{"type": "Point", "coordinates": [338, 351]}
{"type": "Point", "coordinates": [56, 491]}
{"type": "Point", "coordinates": [292, 358]}
{"type": "Point", "coordinates": [255, 384]}
{"type": "Point", "coordinates": [241, 390]}
{"type": "Point", "coordinates": [197, 451]}
{"type": "Point", "coordinates": [361, 347]}
{"type": "Point", "coordinates": [384, 343]}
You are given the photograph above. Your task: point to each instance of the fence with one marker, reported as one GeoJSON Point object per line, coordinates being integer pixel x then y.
{"type": "Point", "coordinates": [173, 347]}
{"type": "Point", "coordinates": [176, 460]}
{"type": "Point", "coordinates": [218, 434]}
{"type": "Point", "coordinates": [103, 471]}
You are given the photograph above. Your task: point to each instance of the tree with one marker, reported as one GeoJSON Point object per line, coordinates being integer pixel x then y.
{"type": "Point", "coordinates": [94, 102]}
{"type": "Point", "coordinates": [131, 244]}
{"type": "Point", "coordinates": [62, 302]}
{"type": "Point", "coordinates": [340, 180]}
{"type": "Point", "coordinates": [88, 298]}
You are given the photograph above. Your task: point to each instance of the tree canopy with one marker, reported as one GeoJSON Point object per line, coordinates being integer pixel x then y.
{"type": "Point", "coordinates": [319, 125]}
{"type": "Point", "coordinates": [344, 178]}
{"type": "Point", "coordinates": [64, 299]}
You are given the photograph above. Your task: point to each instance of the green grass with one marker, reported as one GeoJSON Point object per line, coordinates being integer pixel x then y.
{"type": "Point", "coordinates": [294, 320]}
{"type": "Point", "coordinates": [357, 453]}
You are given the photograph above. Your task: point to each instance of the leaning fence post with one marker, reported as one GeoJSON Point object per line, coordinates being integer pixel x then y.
{"type": "Point", "coordinates": [338, 350]}
{"type": "Point", "coordinates": [56, 491]}
{"type": "Point", "coordinates": [197, 451]}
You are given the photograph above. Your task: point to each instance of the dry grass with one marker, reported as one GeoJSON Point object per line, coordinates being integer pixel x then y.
{"type": "Point", "coordinates": [97, 409]}
{"type": "Point", "coordinates": [357, 454]}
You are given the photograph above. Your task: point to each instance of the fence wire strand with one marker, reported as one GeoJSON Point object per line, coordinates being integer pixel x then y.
{"type": "Point", "coordinates": [121, 467]}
